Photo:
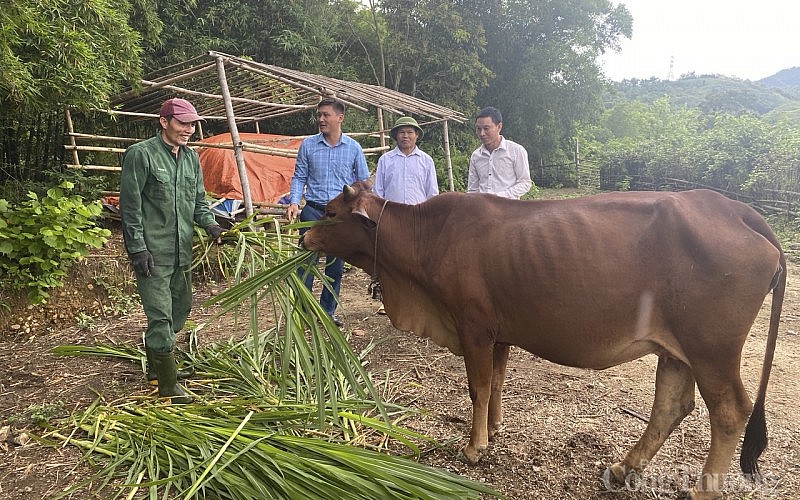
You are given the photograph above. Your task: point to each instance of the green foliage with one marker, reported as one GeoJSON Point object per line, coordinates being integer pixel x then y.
{"type": "Point", "coordinates": [56, 53]}
{"type": "Point", "coordinates": [433, 49]}
{"type": "Point", "coordinates": [653, 143]}
{"type": "Point", "coordinates": [305, 35]}
{"type": "Point", "coordinates": [87, 185]}
{"type": "Point", "coordinates": [15, 191]}
{"type": "Point", "coordinates": [786, 79]}
{"type": "Point", "coordinates": [787, 229]}
{"type": "Point", "coordinates": [247, 441]}
{"type": "Point", "coordinates": [289, 411]}
{"type": "Point", "coordinates": [120, 288]}
{"type": "Point", "coordinates": [85, 322]}
{"type": "Point", "coordinates": [38, 414]}
{"type": "Point", "coordinates": [708, 93]}
{"type": "Point", "coordinates": [546, 78]}
{"type": "Point", "coordinates": [42, 237]}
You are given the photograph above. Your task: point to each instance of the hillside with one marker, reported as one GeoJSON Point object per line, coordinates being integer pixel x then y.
{"type": "Point", "coordinates": [784, 78]}
{"type": "Point", "coordinates": [773, 97]}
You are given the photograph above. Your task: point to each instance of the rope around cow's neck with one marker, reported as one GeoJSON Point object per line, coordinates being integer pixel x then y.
{"type": "Point", "coordinates": [375, 255]}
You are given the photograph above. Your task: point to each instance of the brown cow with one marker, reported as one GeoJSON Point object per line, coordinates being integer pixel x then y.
{"type": "Point", "coordinates": [589, 282]}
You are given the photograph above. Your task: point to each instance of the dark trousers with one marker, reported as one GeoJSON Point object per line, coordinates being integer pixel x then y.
{"type": "Point", "coordinates": [334, 268]}
{"type": "Point", "coordinates": [166, 297]}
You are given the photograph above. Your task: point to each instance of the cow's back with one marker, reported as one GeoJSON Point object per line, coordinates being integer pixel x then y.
{"type": "Point", "coordinates": [619, 274]}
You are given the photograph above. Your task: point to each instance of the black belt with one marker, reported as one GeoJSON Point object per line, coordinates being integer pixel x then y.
{"type": "Point", "coordinates": [316, 206]}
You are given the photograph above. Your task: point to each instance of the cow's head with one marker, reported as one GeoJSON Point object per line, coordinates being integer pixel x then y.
{"type": "Point", "coordinates": [348, 226]}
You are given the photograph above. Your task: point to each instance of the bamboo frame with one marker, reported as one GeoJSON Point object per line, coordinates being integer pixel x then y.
{"type": "Point", "coordinates": [262, 92]}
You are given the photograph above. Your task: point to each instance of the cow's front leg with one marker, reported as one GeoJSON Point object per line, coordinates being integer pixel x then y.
{"type": "Point", "coordinates": [478, 362]}
{"type": "Point", "coordinates": [498, 379]}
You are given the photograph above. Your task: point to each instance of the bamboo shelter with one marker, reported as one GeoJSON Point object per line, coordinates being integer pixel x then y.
{"type": "Point", "coordinates": [230, 92]}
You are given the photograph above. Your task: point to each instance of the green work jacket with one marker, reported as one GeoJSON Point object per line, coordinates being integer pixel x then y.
{"type": "Point", "coordinates": [161, 198]}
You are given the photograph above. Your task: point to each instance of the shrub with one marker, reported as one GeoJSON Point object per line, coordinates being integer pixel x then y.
{"type": "Point", "coordinates": [41, 238]}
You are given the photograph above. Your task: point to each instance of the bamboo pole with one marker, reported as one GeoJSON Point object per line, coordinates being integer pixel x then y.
{"type": "Point", "coordinates": [71, 130]}
{"type": "Point", "coordinates": [131, 140]}
{"type": "Point", "coordinates": [380, 127]}
{"type": "Point", "coordinates": [245, 146]}
{"type": "Point", "coordinates": [103, 137]}
{"type": "Point", "coordinates": [321, 92]}
{"type": "Point", "coordinates": [94, 167]}
{"type": "Point", "coordinates": [577, 164]}
{"type": "Point", "coordinates": [76, 148]}
{"type": "Point", "coordinates": [237, 151]}
{"type": "Point", "coordinates": [296, 107]}
{"type": "Point", "coordinates": [448, 161]}
{"type": "Point", "coordinates": [155, 85]}
{"type": "Point", "coordinates": [155, 115]}
{"type": "Point", "coordinates": [253, 148]}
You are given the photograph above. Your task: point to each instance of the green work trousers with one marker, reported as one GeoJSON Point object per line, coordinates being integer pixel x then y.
{"type": "Point", "coordinates": [166, 297]}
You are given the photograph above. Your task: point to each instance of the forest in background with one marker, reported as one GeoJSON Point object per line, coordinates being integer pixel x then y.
{"type": "Point", "coordinates": [736, 136]}
{"type": "Point", "coordinates": [536, 60]}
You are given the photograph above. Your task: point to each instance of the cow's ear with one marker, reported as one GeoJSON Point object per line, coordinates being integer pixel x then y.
{"type": "Point", "coordinates": [366, 221]}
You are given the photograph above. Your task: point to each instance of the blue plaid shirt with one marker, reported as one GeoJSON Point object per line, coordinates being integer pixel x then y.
{"type": "Point", "coordinates": [324, 170]}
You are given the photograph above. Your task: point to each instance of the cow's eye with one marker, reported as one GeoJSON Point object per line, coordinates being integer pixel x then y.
{"type": "Point", "coordinates": [330, 213]}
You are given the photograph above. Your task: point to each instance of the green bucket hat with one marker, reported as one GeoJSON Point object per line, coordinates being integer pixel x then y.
{"type": "Point", "coordinates": [406, 121]}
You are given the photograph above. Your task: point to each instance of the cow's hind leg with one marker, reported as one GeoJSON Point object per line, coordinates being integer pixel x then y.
{"type": "Point", "coordinates": [498, 379]}
{"type": "Point", "coordinates": [728, 409]}
{"type": "Point", "coordinates": [674, 399]}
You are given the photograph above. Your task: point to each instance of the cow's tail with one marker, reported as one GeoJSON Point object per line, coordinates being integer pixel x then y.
{"type": "Point", "coordinates": [755, 434]}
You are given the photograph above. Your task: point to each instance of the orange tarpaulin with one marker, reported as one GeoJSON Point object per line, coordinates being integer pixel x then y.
{"type": "Point", "coordinates": [268, 175]}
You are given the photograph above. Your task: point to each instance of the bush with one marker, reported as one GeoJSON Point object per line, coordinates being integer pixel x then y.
{"type": "Point", "coordinates": [41, 238]}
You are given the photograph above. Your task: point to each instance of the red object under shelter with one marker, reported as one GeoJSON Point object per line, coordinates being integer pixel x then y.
{"type": "Point", "coordinates": [268, 175]}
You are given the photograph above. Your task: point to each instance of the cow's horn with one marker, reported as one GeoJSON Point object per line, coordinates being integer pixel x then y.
{"type": "Point", "coordinates": [348, 192]}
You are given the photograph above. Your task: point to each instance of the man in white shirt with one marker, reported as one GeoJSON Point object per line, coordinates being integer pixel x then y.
{"type": "Point", "coordinates": [406, 174]}
{"type": "Point", "coordinates": [499, 166]}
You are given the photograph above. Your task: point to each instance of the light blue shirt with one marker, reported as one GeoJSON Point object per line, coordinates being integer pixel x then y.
{"type": "Point", "coordinates": [323, 170]}
{"type": "Point", "coordinates": [406, 179]}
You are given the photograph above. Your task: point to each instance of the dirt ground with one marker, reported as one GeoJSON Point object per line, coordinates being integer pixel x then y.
{"type": "Point", "coordinates": [563, 425]}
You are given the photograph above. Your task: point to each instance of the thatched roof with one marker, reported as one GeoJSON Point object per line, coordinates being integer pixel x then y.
{"type": "Point", "coordinates": [262, 91]}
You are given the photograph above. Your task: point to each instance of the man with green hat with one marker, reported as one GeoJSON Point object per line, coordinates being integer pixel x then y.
{"type": "Point", "coordinates": [406, 174]}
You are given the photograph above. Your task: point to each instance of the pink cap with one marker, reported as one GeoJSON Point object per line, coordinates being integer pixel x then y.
{"type": "Point", "coordinates": [181, 109]}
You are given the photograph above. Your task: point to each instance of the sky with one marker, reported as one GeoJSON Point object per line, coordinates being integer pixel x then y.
{"type": "Point", "coordinates": [743, 39]}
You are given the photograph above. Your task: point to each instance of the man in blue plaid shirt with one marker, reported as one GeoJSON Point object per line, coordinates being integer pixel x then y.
{"type": "Point", "coordinates": [326, 162]}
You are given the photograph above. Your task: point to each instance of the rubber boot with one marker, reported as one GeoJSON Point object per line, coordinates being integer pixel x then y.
{"type": "Point", "coordinates": [167, 373]}
{"type": "Point", "coordinates": [152, 377]}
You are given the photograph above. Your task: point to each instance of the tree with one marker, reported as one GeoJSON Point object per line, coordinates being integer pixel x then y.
{"type": "Point", "coordinates": [56, 53]}
{"type": "Point", "coordinates": [640, 143]}
{"type": "Point", "coordinates": [433, 51]}
{"type": "Point", "coordinates": [310, 36]}
{"type": "Point", "coordinates": [543, 54]}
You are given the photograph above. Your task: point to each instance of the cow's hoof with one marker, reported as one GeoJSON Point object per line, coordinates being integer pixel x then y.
{"type": "Point", "coordinates": [617, 477]}
{"type": "Point", "coordinates": [693, 494]}
{"type": "Point", "coordinates": [471, 455]}
{"type": "Point", "coordinates": [496, 430]}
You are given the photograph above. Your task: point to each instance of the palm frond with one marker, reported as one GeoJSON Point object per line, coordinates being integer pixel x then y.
{"type": "Point", "coordinates": [286, 412]}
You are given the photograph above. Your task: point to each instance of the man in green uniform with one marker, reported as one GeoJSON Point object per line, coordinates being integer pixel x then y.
{"type": "Point", "coordinates": [161, 198]}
